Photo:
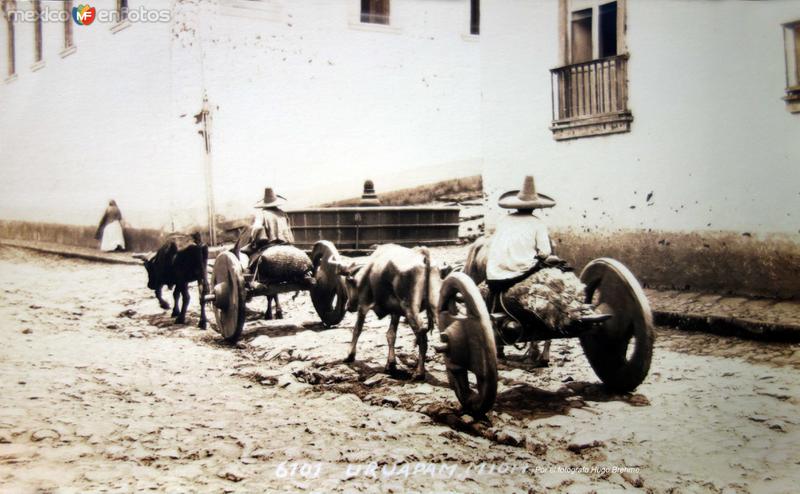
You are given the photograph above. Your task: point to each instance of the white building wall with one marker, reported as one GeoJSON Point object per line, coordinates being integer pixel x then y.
{"type": "Point", "coordinates": [87, 127]}
{"type": "Point", "coordinates": [711, 137]}
{"type": "Point", "coordinates": [306, 96]}
{"type": "Point", "coordinates": [303, 97]}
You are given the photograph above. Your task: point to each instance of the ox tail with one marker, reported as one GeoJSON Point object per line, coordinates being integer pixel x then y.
{"type": "Point", "coordinates": [426, 259]}
{"type": "Point", "coordinates": [426, 296]}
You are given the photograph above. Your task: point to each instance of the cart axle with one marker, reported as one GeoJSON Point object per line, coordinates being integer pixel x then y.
{"type": "Point", "coordinates": [511, 330]}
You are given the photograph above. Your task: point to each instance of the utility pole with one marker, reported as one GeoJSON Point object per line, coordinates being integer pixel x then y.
{"type": "Point", "coordinates": [204, 119]}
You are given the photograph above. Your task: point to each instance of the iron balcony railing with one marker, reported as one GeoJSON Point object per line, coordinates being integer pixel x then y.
{"type": "Point", "coordinates": [590, 89]}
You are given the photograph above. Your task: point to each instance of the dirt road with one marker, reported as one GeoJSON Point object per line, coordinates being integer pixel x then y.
{"type": "Point", "coordinates": [100, 392]}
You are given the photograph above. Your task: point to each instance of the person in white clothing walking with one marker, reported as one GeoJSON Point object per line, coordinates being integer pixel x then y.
{"type": "Point", "coordinates": [109, 231]}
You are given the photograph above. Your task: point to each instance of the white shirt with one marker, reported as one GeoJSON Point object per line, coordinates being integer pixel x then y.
{"type": "Point", "coordinates": [513, 249]}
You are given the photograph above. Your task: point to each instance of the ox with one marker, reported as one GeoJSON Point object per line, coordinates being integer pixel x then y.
{"type": "Point", "coordinates": [181, 260]}
{"type": "Point", "coordinates": [475, 268]}
{"type": "Point", "coordinates": [399, 282]}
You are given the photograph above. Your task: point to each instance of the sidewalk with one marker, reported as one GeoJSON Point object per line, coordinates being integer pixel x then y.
{"type": "Point", "coordinates": [759, 319]}
{"type": "Point", "coordinates": [85, 253]}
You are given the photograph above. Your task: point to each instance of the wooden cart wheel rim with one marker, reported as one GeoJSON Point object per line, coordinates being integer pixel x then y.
{"type": "Point", "coordinates": [229, 314]}
{"type": "Point", "coordinates": [606, 270]}
{"type": "Point", "coordinates": [470, 345]}
{"type": "Point", "coordinates": [630, 327]}
{"type": "Point", "coordinates": [459, 283]}
{"type": "Point", "coordinates": [329, 294]}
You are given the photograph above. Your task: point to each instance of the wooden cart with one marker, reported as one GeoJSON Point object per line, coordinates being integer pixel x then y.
{"type": "Point", "coordinates": [618, 348]}
{"type": "Point", "coordinates": [232, 285]}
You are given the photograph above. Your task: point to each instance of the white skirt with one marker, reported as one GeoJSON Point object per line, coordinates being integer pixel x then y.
{"type": "Point", "coordinates": [112, 237]}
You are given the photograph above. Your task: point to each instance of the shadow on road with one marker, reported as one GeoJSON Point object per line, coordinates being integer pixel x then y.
{"type": "Point", "coordinates": [530, 402]}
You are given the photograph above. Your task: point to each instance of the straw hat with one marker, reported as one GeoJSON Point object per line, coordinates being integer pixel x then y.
{"type": "Point", "coordinates": [271, 199]}
{"type": "Point", "coordinates": [527, 198]}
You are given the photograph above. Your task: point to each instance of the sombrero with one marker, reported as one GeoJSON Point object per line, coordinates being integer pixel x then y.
{"type": "Point", "coordinates": [271, 199]}
{"type": "Point", "coordinates": [527, 198]}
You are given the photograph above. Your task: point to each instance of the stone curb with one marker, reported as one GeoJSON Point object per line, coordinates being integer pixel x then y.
{"type": "Point", "coordinates": [74, 254]}
{"type": "Point", "coordinates": [727, 315]}
{"type": "Point", "coordinates": [729, 326]}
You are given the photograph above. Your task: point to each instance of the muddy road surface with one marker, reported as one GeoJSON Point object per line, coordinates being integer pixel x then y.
{"type": "Point", "coordinates": [102, 393]}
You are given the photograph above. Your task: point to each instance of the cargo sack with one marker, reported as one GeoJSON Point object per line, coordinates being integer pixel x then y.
{"type": "Point", "coordinates": [283, 263]}
{"type": "Point", "coordinates": [554, 296]}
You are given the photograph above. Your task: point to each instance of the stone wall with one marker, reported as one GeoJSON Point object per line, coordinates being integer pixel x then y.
{"type": "Point", "coordinates": [136, 239]}
{"type": "Point", "coordinates": [721, 262]}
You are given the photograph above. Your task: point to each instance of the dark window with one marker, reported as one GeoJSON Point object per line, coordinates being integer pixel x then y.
{"type": "Point", "coordinates": [375, 11]}
{"type": "Point", "coordinates": [791, 34]}
{"type": "Point", "coordinates": [122, 10]}
{"type": "Point", "coordinates": [11, 52]}
{"type": "Point", "coordinates": [608, 30]}
{"type": "Point", "coordinates": [37, 30]}
{"type": "Point", "coordinates": [797, 52]}
{"type": "Point", "coordinates": [68, 24]}
{"type": "Point", "coordinates": [475, 17]}
{"type": "Point", "coordinates": [581, 35]}
{"type": "Point", "coordinates": [791, 38]}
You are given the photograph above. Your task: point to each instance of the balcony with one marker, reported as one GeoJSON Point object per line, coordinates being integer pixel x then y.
{"type": "Point", "coordinates": [590, 98]}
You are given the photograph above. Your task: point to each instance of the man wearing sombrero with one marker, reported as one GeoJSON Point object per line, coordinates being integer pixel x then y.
{"type": "Point", "coordinates": [520, 241]}
{"type": "Point", "coordinates": [521, 264]}
{"type": "Point", "coordinates": [271, 225]}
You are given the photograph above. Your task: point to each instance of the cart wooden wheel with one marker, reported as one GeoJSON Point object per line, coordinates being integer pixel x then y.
{"type": "Point", "coordinates": [329, 294]}
{"type": "Point", "coordinates": [468, 343]}
{"type": "Point", "coordinates": [620, 351]}
{"type": "Point", "coordinates": [227, 282]}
